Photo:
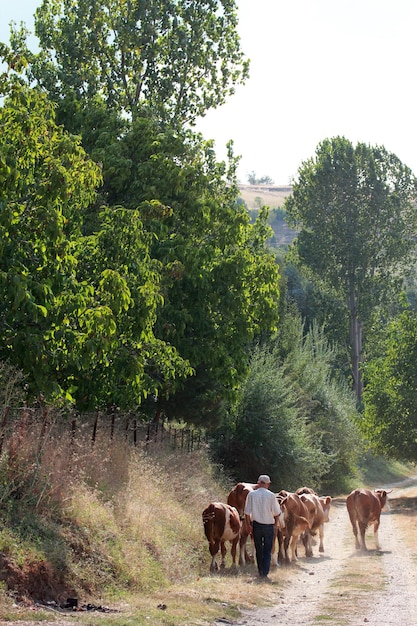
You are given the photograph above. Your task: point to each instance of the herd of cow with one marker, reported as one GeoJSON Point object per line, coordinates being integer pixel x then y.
{"type": "Point", "coordinates": [303, 515]}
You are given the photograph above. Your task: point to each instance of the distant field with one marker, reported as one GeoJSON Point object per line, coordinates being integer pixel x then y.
{"type": "Point", "coordinates": [272, 196]}
{"type": "Point", "coordinates": [260, 195]}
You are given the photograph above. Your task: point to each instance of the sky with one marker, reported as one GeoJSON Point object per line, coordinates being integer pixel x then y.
{"type": "Point", "coordinates": [319, 68]}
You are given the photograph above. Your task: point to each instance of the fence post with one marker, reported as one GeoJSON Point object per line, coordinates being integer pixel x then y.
{"type": "Point", "coordinates": [93, 438]}
{"type": "Point", "coordinates": [3, 427]}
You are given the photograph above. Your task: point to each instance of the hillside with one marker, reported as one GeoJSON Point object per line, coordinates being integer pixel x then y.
{"type": "Point", "coordinates": [259, 195]}
{"type": "Point", "coordinates": [256, 196]}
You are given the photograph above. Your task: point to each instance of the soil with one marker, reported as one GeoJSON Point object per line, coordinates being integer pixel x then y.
{"type": "Point", "coordinates": [344, 586]}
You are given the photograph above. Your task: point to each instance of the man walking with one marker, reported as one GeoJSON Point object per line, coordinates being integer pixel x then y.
{"type": "Point", "coordinates": [261, 514]}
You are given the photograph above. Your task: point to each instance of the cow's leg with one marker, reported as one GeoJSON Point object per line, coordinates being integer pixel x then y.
{"type": "Point", "coordinates": [321, 536]}
{"type": "Point", "coordinates": [244, 556]}
{"type": "Point", "coordinates": [376, 527]}
{"type": "Point", "coordinates": [250, 557]}
{"type": "Point", "coordinates": [353, 521]}
{"type": "Point", "coordinates": [280, 549]}
{"type": "Point", "coordinates": [293, 545]}
{"type": "Point", "coordinates": [355, 532]}
{"type": "Point", "coordinates": [234, 550]}
{"type": "Point", "coordinates": [242, 547]}
{"type": "Point", "coordinates": [223, 551]}
{"type": "Point", "coordinates": [275, 549]}
{"type": "Point", "coordinates": [362, 531]}
{"type": "Point", "coordinates": [307, 540]}
{"type": "Point", "coordinates": [214, 548]}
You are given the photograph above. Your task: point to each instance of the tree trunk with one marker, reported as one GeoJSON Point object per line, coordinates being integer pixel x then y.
{"type": "Point", "coordinates": [356, 346]}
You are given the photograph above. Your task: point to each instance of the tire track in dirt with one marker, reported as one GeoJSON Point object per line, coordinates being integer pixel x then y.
{"type": "Point", "coordinates": [396, 604]}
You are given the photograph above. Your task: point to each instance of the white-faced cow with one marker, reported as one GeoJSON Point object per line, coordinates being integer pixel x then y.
{"type": "Point", "coordinates": [318, 508]}
{"type": "Point", "coordinates": [237, 498]}
{"type": "Point", "coordinates": [221, 524]}
{"type": "Point", "coordinates": [364, 507]}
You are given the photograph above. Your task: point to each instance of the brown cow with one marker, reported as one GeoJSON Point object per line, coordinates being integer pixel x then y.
{"type": "Point", "coordinates": [221, 523]}
{"type": "Point", "coordinates": [237, 498]}
{"type": "Point", "coordinates": [318, 513]}
{"type": "Point", "coordinates": [295, 524]}
{"type": "Point", "coordinates": [364, 507]}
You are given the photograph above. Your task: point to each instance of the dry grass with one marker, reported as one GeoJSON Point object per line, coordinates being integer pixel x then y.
{"type": "Point", "coordinates": [115, 525]}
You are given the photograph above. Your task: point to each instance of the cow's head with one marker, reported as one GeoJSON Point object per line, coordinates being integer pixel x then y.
{"type": "Point", "coordinates": [325, 503]}
{"type": "Point", "coordinates": [382, 496]}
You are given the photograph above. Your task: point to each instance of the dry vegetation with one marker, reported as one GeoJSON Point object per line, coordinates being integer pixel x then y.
{"type": "Point", "coordinates": [111, 525]}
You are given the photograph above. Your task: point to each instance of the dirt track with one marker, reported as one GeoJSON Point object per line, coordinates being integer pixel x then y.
{"type": "Point", "coordinates": [346, 587]}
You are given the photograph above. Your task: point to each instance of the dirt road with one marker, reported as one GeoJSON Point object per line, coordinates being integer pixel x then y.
{"type": "Point", "coordinates": [346, 587]}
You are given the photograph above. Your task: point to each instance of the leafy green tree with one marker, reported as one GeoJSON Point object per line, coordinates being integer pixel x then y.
{"type": "Point", "coordinates": [46, 178]}
{"type": "Point", "coordinates": [106, 349]}
{"type": "Point", "coordinates": [220, 283]}
{"type": "Point", "coordinates": [178, 58]}
{"type": "Point", "coordinates": [323, 397]}
{"type": "Point", "coordinates": [292, 416]}
{"type": "Point", "coordinates": [267, 430]}
{"type": "Point", "coordinates": [390, 417]}
{"type": "Point", "coordinates": [217, 283]}
{"type": "Point", "coordinates": [77, 310]}
{"type": "Point", "coordinates": [354, 208]}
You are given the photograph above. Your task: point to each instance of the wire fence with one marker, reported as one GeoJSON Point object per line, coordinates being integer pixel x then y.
{"type": "Point", "coordinates": [41, 421]}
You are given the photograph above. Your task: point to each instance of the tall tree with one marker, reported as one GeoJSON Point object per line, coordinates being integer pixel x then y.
{"type": "Point", "coordinates": [178, 58]}
{"type": "Point", "coordinates": [217, 283]}
{"type": "Point", "coordinates": [220, 283]}
{"type": "Point", "coordinates": [354, 208]}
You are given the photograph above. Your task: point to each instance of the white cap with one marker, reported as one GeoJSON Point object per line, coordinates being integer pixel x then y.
{"type": "Point", "coordinates": [264, 478]}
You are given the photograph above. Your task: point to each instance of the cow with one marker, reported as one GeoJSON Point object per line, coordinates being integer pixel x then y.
{"type": "Point", "coordinates": [318, 514]}
{"type": "Point", "coordinates": [364, 507]}
{"type": "Point", "coordinates": [237, 498]}
{"type": "Point", "coordinates": [295, 515]}
{"type": "Point", "coordinates": [221, 523]}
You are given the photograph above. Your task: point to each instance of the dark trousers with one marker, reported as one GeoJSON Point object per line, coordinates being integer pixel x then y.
{"type": "Point", "coordinates": [263, 537]}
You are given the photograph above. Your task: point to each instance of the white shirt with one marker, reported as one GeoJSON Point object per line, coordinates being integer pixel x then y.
{"type": "Point", "coordinates": [262, 506]}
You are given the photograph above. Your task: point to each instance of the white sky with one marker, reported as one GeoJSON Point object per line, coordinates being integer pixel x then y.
{"type": "Point", "coordinates": [319, 68]}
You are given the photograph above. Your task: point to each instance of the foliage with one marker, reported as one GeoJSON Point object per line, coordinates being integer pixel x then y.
{"type": "Point", "coordinates": [354, 208]}
{"type": "Point", "coordinates": [323, 397]}
{"type": "Point", "coordinates": [46, 179]}
{"type": "Point", "coordinates": [263, 180]}
{"type": "Point", "coordinates": [293, 419]}
{"type": "Point", "coordinates": [169, 280]}
{"type": "Point", "coordinates": [118, 361]}
{"type": "Point", "coordinates": [78, 312]}
{"type": "Point", "coordinates": [177, 58]}
{"type": "Point", "coordinates": [389, 423]}
{"type": "Point", "coordinates": [218, 281]}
